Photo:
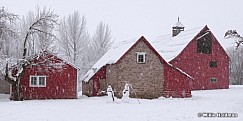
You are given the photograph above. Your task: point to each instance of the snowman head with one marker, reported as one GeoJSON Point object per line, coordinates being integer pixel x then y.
{"type": "Point", "coordinates": [126, 86]}
{"type": "Point", "coordinates": [109, 87]}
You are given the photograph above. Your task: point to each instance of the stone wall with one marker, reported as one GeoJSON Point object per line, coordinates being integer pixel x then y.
{"type": "Point", "coordinates": [146, 79]}
{"type": "Point", "coordinates": [87, 88]}
{"type": "Point", "coordinates": [4, 87]}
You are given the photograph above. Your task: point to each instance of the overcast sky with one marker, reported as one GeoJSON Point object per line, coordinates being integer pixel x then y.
{"type": "Point", "coordinates": [151, 18]}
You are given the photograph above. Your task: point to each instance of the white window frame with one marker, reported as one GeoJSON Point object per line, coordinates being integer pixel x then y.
{"type": "Point", "coordinates": [144, 56]}
{"type": "Point", "coordinates": [37, 82]}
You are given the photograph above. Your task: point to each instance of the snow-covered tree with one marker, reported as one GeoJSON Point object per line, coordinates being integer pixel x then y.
{"type": "Point", "coordinates": [8, 34]}
{"type": "Point", "coordinates": [101, 41]}
{"type": "Point", "coordinates": [233, 34]}
{"type": "Point", "coordinates": [236, 62]}
{"type": "Point", "coordinates": [43, 39]}
{"type": "Point", "coordinates": [8, 38]}
{"type": "Point", "coordinates": [74, 38]}
{"type": "Point", "coordinates": [36, 27]}
{"type": "Point", "coordinates": [74, 41]}
{"type": "Point", "coordinates": [236, 65]}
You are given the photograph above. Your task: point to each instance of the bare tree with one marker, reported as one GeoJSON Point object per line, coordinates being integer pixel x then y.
{"type": "Point", "coordinates": [36, 27]}
{"type": "Point", "coordinates": [73, 37]}
{"type": "Point", "coordinates": [101, 40]}
{"type": "Point", "coordinates": [73, 41]}
{"type": "Point", "coordinates": [236, 65]}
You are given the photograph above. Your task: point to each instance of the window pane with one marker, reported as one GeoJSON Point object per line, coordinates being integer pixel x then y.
{"type": "Point", "coordinates": [213, 80]}
{"type": "Point", "coordinates": [33, 81]}
{"type": "Point", "coordinates": [204, 44]}
{"type": "Point", "coordinates": [141, 57]}
{"type": "Point", "coordinates": [42, 81]}
{"type": "Point", "coordinates": [213, 64]}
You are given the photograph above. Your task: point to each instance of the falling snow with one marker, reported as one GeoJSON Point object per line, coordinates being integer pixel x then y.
{"type": "Point", "coordinates": [96, 108]}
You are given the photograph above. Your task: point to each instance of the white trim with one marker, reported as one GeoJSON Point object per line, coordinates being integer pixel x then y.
{"type": "Point", "coordinates": [37, 81]}
{"type": "Point", "coordinates": [203, 35]}
{"type": "Point", "coordinates": [77, 84]}
{"type": "Point", "coordinates": [144, 57]}
{"type": "Point", "coordinates": [10, 90]}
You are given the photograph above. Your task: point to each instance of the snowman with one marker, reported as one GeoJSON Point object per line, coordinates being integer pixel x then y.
{"type": "Point", "coordinates": [125, 94]}
{"type": "Point", "coordinates": [110, 93]}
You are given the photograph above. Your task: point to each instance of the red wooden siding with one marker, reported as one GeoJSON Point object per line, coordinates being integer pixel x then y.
{"type": "Point", "coordinates": [197, 65]}
{"type": "Point", "coordinates": [96, 80]}
{"type": "Point", "coordinates": [61, 79]}
{"type": "Point", "coordinates": [176, 84]}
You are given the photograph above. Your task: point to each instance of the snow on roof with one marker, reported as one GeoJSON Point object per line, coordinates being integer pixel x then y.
{"type": "Point", "coordinates": [43, 53]}
{"type": "Point", "coordinates": [111, 56]}
{"type": "Point", "coordinates": [169, 47]}
{"type": "Point", "coordinates": [178, 24]}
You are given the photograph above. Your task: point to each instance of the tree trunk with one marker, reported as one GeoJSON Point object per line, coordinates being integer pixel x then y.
{"type": "Point", "coordinates": [17, 90]}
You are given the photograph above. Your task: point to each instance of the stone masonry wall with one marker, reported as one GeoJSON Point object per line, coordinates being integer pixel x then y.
{"type": "Point", "coordinates": [4, 87]}
{"type": "Point", "coordinates": [146, 79]}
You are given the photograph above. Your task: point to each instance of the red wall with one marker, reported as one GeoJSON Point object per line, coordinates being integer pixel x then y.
{"type": "Point", "coordinates": [176, 84]}
{"type": "Point", "coordinates": [101, 74]}
{"type": "Point", "coordinates": [197, 65]}
{"type": "Point", "coordinates": [61, 81]}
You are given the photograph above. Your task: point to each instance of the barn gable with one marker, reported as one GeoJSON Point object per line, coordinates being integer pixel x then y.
{"type": "Point", "coordinates": [49, 77]}
{"type": "Point", "coordinates": [198, 53]}
{"type": "Point", "coordinates": [142, 68]}
{"type": "Point", "coordinates": [169, 47]}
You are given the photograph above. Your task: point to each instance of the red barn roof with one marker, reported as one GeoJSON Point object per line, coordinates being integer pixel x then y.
{"type": "Point", "coordinates": [169, 47]}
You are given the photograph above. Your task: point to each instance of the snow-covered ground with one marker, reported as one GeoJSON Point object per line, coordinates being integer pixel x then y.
{"type": "Point", "coordinates": [96, 108]}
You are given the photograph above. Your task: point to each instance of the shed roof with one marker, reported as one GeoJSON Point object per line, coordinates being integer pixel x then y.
{"type": "Point", "coordinates": [44, 53]}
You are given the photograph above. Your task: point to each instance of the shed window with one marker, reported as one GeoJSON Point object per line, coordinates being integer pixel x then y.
{"type": "Point", "coordinates": [213, 64]}
{"type": "Point", "coordinates": [204, 43]}
{"type": "Point", "coordinates": [37, 81]}
{"type": "Point", "coordinates": [213, 80]}
{"type": "Point", "coordinates": [141, 57]}
{"type": "Point", "coordinates": [33, 80]}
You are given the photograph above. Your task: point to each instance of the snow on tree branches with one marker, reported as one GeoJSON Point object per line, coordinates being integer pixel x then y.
{"type": "Point", "coordinates": [43, 21]}
{"type": "Point", "coordinates": [233, 34]}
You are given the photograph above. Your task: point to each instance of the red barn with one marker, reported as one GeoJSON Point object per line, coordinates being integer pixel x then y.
{"type": "Point", "coordinates": [49, 77]}
{"type": "Point", "coordinates": [138, 64]}
{"type": "Point", "coordinates": [199, 54]}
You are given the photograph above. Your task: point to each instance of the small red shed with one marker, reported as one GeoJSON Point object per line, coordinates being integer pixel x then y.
{"type": "Point", "coordinates": [49, 77]}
